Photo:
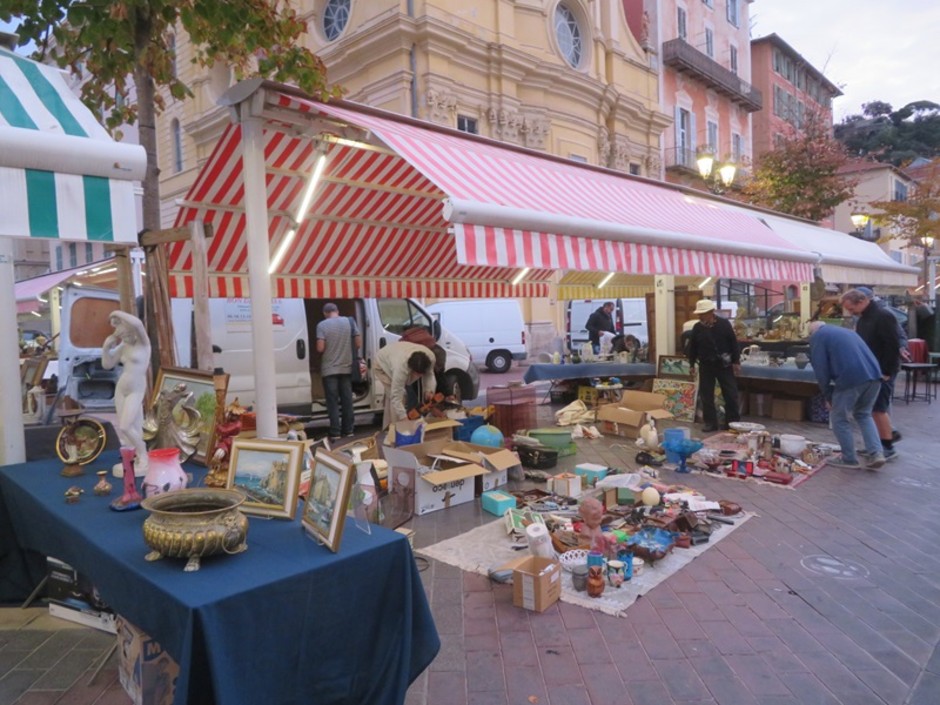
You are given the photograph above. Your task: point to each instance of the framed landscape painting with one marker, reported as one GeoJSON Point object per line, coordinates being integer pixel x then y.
{"type": "Point", "coordinates": [324, 514]}
{"type": "Point", "coordinates": [674, 367]}
{"type": "Point", "coordinates": [268, 473]}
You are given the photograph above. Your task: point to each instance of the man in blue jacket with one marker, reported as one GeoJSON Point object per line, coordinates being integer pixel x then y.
{"type": "Point", "coordinates": [850, 379]}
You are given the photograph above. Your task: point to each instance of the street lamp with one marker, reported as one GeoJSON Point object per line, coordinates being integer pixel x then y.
{"type": "Point", "coordinates": [718, 179]}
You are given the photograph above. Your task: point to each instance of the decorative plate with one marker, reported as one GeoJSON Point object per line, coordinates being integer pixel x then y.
{"type": "Point", "coordinates": [746, 426]}
{"type": "Point", "coordinates": [569, 559]}
{"type": "Point", "coordinates": [80, 442]}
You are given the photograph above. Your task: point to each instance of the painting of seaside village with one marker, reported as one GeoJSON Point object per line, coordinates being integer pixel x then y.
{"type": "Point", "coordinates": [267, 472]}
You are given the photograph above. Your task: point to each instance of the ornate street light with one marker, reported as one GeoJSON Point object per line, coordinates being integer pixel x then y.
{"type": "Point", "coordinates": [718, 179]}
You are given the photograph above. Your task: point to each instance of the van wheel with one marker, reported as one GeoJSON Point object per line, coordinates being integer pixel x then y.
{"type": "Point", "coordinates": [499, 361]}
{"type": "Point", "coordinates": [452, 388]}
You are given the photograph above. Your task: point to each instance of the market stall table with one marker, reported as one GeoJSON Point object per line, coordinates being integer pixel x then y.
{"type": "Point", "coordinates": [287, 621]}
{"type": "Point", "coordinates": [786, 379]}
{"type": "Point", "coordinates": [637, 371]}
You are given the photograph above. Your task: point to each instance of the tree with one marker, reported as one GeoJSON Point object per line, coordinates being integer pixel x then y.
{"type": "Point", "coordinates": [120, 41]}
{"type": "Point", "coordinates": [892, 136]}
{"type": "Point", "coordinates": [916, 221]}
{"type": "Point", "coordinates": [800, 176]}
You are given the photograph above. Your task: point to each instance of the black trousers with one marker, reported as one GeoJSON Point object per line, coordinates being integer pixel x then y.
{"type": "Point", "coordinates": [708, 374]}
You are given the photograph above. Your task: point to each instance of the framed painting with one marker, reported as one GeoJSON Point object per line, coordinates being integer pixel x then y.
{"type": "Point", "coordinates": [674, 367]}
{"type": "Point", "coordinates": [324, 512]}
{"type": "Point", "coordinates": [202, 385]}
{"type": "Point", "coordinates": [32, 369]}
{"type": "Point", "coordinates": [680, 397]}
{"type": "Point", "coordinates": [268, 472]}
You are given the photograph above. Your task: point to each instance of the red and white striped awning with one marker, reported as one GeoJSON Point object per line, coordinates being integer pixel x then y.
{"type": "Point", "coordinates": [432, 212]}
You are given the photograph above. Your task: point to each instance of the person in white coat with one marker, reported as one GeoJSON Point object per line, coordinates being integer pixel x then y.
{"type": "Point", "coordinates": [398, 365]}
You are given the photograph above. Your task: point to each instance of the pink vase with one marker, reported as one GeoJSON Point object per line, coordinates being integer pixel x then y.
{"type": "Point", "coordinates": [165, 472]}
{"type": "Point", "coordinates": [130, 499]}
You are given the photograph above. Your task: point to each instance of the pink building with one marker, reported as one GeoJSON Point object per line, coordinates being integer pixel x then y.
{"type": "Point", "coordinates": [706, 83]}
{"type": "Point", "coordinates": [793, 89]}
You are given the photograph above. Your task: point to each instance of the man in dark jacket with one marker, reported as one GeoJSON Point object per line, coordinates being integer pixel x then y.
{"type": "Point", "coordinates": [598, 322]}
{"type": "Point", "coordinates": [879, 329]}
{"type": "Point", "coordinates": [714, 347]}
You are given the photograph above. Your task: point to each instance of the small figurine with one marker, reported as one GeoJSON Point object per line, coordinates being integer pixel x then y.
{"type": "Point", "coordinates": [650, 435]}
{"type": "Point", "coordinates": [595, 581]}
{"type": "Point", "coordinates": [73, 493]}
{"type": "Point", "coordinates": [592, 512]}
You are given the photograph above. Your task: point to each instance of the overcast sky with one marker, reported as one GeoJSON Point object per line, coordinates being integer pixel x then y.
{"type": "Point", "coordinates": [870, 49]}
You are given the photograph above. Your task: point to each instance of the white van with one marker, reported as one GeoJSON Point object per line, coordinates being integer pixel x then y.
{"type": "Point", "coordinates": [629, 319]}
{"type": "Point", "coordinates": [492, 329]}
{"type": "Point", "coordinates": [85, 325]}
{"type": "Point", "coordinates": [296, 360]}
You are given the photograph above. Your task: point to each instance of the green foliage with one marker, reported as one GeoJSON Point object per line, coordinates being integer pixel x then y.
{"type": "Point", "coordinates": [112, 42]}
{"type": "Point", "coordinates": [892, 136]}
{"type": "Point", "coordinates": [916, 218]}
{"type": "Point", "coordinates": [801, 176]}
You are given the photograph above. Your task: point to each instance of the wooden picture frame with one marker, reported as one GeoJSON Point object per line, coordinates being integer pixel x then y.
{"type": "Point", "coordinates": [202, 385]}
{"type": "Point", "coordinates": [32, 369]}
{"type": "Point", "coordinates": [268, 473]}
{"type": "Point", "coordinates": [674, 367]}
{"type": "Point", "coordinates": [324, 514]}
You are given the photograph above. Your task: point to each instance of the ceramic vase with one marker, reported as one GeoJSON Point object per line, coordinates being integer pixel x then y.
{"type": "Point", "coordinates": [801, 360]}
{"type": "Point", "coordinates": [103, 488]}
{"type": "Point", "coordinates": [164, 472]}
{"type": "Point", "coordinates": [131, 498]}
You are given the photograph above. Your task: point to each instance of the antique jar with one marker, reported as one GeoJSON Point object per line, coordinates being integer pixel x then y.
{"type": "Point", "coordinates": [194, 523]}
{"type": "Point", "coordinates": [164, 472]}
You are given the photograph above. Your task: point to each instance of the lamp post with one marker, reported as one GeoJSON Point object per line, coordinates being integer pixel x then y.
{"type": "Point", "coordinates": [717, 178]}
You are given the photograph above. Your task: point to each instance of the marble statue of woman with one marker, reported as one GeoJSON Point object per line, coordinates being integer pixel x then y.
{"type": "Point", "coordinates": [129, 346]}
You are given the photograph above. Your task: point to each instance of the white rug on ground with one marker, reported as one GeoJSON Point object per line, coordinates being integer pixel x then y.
{"type": "Point", "coordinates": [488, 546]}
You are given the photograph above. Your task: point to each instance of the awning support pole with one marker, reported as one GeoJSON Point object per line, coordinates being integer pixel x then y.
{"type": "Point", "coordinates": [259, 281]}
{"type": "Point", "coordinates": [664, 288]}
{"type": "Point", "coordinates": [806, 304]}
{"type": "Point", "coordinates": [12, 435]}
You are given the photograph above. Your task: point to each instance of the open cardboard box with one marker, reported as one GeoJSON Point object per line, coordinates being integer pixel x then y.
{"type": "Point", "coordinates": [627, 416]}
{"type": "Point", "coordinates": [536, 582]}
{"type": "Point", "coordinates": [497, 461]}
{"type": "Point", "coordinates": [434, 429]}
{"type": "Point", "coordinates": [435, 488]}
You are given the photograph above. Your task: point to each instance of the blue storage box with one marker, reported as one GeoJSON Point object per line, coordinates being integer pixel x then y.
{"type": "Point", "coordinates": [497, 502]}
{"type": "Point", "coordinates": [591, 472]}
{"type": "Point", "coordinates": [467, 427]}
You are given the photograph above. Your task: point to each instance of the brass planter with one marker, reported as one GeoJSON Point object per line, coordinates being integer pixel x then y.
{"type": "Point", "coordinates": [193, 523]}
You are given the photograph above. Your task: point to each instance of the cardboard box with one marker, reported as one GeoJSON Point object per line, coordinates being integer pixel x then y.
{"type": "Point", "coordinates": [442, 429]}
{"type": "Point", "coordinates": [618, 496]}
{"type": "Point", "coordinates": [627, 416]}
{"type": "Point", "coordinates": [497, 502]}
{"type": "Point", "coordinates": [536, 582]}
{"type": "Point", "coordinates": [566, 483]}
{"type": "Point", "coordinates": [787, 409]}
{"type": "Point", "coordinates": [440, 483]}
{"type": "Point", "coordinates": [499, 462]}
{"type": "Point", "coordinates": [591, 472]}
{"type": "Point", "coordinates": [147, 673]}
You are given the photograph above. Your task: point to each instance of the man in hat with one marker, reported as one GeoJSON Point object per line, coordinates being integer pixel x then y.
{"type": "Point", "coordinates": [714, 347]}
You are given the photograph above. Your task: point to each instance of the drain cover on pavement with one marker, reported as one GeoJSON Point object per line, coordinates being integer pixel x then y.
{"type": "Point", "coordinates": [834, 567]}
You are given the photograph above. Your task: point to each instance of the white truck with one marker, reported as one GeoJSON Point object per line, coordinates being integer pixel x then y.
{"type": "Point", "coordinates": [296, 361]}
{"type": "Point", "coordinates": [492, 329]}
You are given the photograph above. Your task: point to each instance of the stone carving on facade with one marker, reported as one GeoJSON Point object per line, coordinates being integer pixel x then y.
{"type": "Point", "coordinates": [620, 156]}
{"type": "Point", "coordinates": [442, 105]}
{"type": "Point", "coordinates": [654, 165]}
{"type": "Point", "coordinates": [603, 146]}
{"type": "Point", "coordinates": [535, 131]}
{"type": "Point", "coordinates": [506, 124]}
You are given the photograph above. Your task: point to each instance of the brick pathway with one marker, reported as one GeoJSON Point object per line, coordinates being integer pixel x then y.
{"type": "Point", "coordinates": [747, 622]}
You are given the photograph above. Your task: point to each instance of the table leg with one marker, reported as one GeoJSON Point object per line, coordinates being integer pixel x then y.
{"type": "Point", "coordinates": [35, 593]}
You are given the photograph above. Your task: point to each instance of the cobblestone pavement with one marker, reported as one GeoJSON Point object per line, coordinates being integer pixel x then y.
{"type": "Point", "coordinates": [831, 594]}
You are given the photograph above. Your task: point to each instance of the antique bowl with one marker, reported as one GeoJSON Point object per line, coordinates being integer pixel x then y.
{"type": "Point", "coordinates": [194, 523]}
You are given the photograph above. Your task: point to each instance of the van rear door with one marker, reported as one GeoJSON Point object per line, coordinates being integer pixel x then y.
{"type": "Point", "coordinates": [86, 315]}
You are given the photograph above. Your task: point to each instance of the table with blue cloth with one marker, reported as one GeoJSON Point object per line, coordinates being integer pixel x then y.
{"type": "Point", "coordinates": [624, 370]}
{"type": "Point", "coordinates": [287, 621]}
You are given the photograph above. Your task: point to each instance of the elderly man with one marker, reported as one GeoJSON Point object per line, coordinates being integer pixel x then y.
{"type": "Point", "coordinates": [714, 347]}
{"type": "Point", "coordinates": [850, 379]}
{"type": "Point", "coordinates": [879, 329]}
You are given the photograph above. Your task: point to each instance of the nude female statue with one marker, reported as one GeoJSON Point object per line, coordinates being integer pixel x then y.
{"type": "Point", "coordinates": [130, 346]}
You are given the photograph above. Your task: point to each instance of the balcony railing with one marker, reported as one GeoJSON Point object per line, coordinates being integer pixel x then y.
{"type": "Point", "coordinates": [682, 159]}
{"type": "Point", "coordinates": [684, 58]}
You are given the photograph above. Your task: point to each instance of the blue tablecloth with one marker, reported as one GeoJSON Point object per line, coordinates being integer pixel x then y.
{"type": "Point", "coordinates": [544, 371]}
{"type": "Point", "coordinates": [786, 374]}
{"type": "Point", "coordinates": [285, 622]}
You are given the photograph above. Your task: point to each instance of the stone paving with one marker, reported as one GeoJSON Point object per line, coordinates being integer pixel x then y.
{"type": "Point", "coordinates": [831, 594]}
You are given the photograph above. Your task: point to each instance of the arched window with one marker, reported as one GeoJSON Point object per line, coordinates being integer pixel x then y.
{"type": "Point", "coordinates": [177, 138]}
{"type": "Point", "coordinates": [569, 35]}
{"type": "Point", "coordinates": [335, 18]}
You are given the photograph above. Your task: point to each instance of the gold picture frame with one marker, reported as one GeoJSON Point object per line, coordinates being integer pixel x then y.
{"type": "Point", "coordinates": [32, 369]}
{"type": "Point", "coordinates": [324, 514]}
{"type": "Point", "coordinates": [268, 473]}
{"type": "Point", "coordinates": [674, 367]}
{"type": "Point", "coordinates": [202, 385]}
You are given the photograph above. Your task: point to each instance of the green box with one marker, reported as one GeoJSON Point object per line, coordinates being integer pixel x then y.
{"type": "Point", "coordinates": [625, 496]}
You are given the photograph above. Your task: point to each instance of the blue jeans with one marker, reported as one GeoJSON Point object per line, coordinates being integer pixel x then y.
{"type": "Point", "coordinates": [855, 403]}
{"type": "Point", "coordinates": [339, 397]}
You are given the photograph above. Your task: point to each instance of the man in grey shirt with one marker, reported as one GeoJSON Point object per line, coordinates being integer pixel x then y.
{"type": "Point", "coordinates": [339, 352]}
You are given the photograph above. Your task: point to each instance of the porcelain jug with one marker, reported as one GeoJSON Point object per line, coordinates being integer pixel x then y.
{"type": "Point", "coordinates": [748, 351]}
{"type": "Point", "coordinates": [165, 472]}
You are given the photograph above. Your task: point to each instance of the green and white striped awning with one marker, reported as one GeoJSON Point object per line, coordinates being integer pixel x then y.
{"type": "Point", "coordinates": [61, 174]}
